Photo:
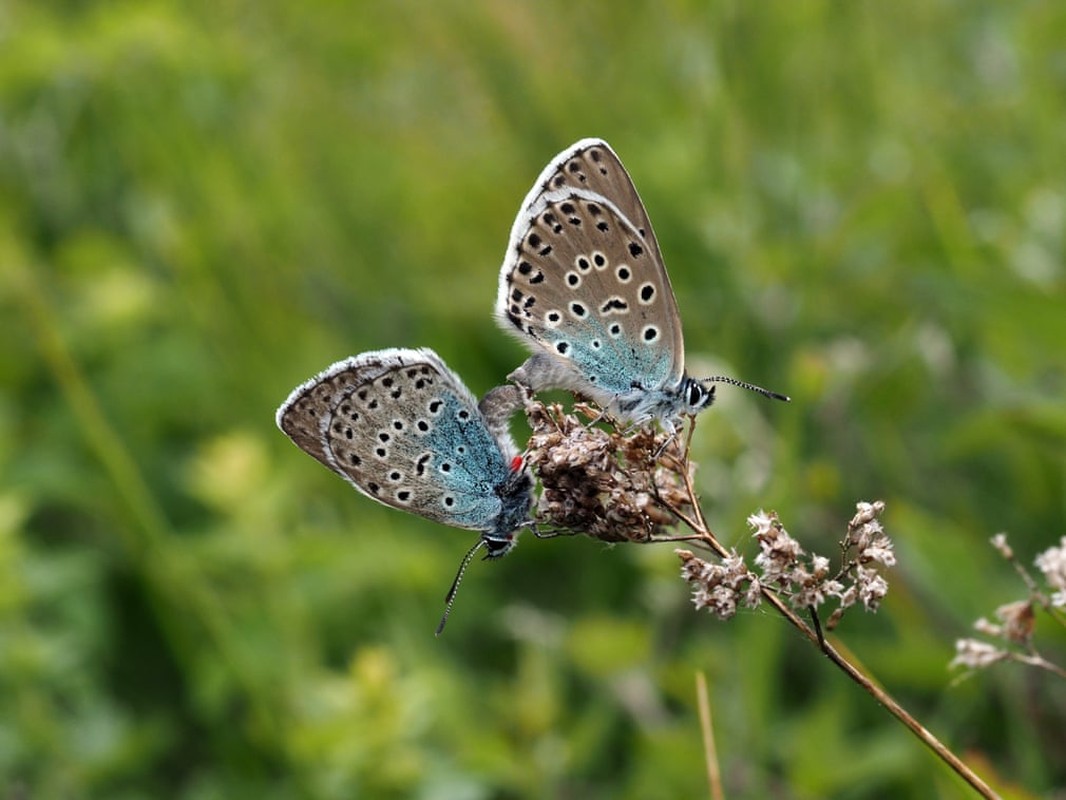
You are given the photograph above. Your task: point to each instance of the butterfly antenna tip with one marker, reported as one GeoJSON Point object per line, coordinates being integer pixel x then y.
{"type": "Point", "coordinates": [750, 387]}
{"type": "Point", "coordinates": [449, 598]}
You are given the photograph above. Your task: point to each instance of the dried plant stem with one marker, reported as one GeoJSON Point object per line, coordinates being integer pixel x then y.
{"type": "Point", "coordinates": [710, 753]}
{"type": "Point", "coordinates": [705, 537]}
{"type": "Point", "coordinates": [1038, 661]}
{"type": "Point", "coordinates": [620, 486]}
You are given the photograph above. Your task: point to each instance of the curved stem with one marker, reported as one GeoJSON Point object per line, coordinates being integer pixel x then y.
{"type": "Point", "coordinates": [706, 536]}
{"type": "Point", "coordinates": [1038, 661]}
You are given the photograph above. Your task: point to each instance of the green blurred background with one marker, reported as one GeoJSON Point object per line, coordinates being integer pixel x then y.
{"type": "Point", "coordinates": [203, 204]}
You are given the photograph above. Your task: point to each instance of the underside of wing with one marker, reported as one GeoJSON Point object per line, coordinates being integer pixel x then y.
{"type": "Point", "coordinates": [580, 281]}
{"type": "Point", "coordinates": [300, 416]}
{"type": "Point", "coordinates": [592, 165]}
{"type": "Point", "coordinates": [402, 429]}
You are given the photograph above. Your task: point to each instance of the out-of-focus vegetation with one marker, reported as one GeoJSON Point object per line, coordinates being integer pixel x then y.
{"type": "Point", "coordinates": [202, 204]}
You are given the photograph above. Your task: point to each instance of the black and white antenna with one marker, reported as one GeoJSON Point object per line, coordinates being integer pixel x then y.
{"type": "Point", "coordinates": [449, 598]}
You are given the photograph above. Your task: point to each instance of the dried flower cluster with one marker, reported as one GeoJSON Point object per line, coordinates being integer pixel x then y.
{"type": "Point", "coordinates": [720, 587]}
{"type": "Point", "coordinates": [806, 581]}
{"type": "Point", "coordinates": [865, 546]}
{"type": "Point", "coordinates": [604, 483]}
{"type": "Point", "coordinates": [1016, 621]}
{"type": "Point", "coordinates": [620, 486]}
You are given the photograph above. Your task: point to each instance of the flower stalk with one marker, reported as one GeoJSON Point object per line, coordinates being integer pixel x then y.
{"type": "Point", "coordinates": [617, 485]}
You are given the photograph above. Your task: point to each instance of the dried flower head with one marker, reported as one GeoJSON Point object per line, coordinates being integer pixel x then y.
{"type": "Point", "coordinates": [999, 541]}
{"type": "Point", "coordinates": [720, 588]}
{"type": "Point", "coordinates": [779, 552]}
{"type": "Point", "coordinates": [612, 485]}
{"type": "Point", "coordinates": [1052, 562]}
{"type": "Point", "coordinates": [1016, 621]}
{"type": "Point", "coordinates": [805, 580]}
{"type": "Point", "coordinates": [867, 536]}
{"type": "Point", "coordinates": [974, 653]}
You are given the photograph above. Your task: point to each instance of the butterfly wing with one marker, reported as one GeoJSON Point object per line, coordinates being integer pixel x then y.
{"type": "Point", "coordinates": [586, 170]}
{"type": "Point", "coordinates": [580, 282]}
{"type": "Point", "coordinates": [402, 429]}
{"type": "Point", "coordinates": [592, 165]}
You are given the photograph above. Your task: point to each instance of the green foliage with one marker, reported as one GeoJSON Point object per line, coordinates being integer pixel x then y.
{"type": "Point", "coordinates": [202, 204]}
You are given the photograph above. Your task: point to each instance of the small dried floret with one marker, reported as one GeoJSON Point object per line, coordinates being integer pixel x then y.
{"type": "Point", "coordinates": [867, 512]}
{"type": "Point", "coordinates": [779, 552]}
{"type": "Point", "coordinates": [1052, 563]}
{"type": "Point", "coordinates": [1018, 621]}
{"type": "Point", "coordinates": [988, 628]}
{"type": "Point", "coordinates": [872, 588]}
{"type": "Point", "coordinates": [975, 654]}
{"type": "Point", "coordinates": [761, 522]}
{"type": "Point", "coordinates": [999, 541]}
{"type": "Point", "coordinates": [720, 587]}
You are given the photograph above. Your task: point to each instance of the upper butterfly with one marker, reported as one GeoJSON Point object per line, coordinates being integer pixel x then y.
{"type": "Point", "coordinates": [583, 284]}
{"type": "Point", "coordinates": [403, 429]}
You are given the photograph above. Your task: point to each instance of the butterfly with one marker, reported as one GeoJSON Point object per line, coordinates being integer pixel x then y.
{"type": "Point", "coordinates": [404, 430]}
{"type": "Point", "coordinates": [583, 285]}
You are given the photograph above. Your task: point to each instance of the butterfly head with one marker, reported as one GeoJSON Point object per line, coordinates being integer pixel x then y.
{"type": "Point", "coordinates": [516, 500]}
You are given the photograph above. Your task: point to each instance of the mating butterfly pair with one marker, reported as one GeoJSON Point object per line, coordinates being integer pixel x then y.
{"type": "Point", "coordinates": [583, 285]}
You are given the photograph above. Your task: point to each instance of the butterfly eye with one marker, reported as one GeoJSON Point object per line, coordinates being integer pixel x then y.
{"type": "Point", "coordinates": [695, 394]}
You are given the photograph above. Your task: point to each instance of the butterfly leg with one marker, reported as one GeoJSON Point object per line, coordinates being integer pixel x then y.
{"type": "Point", "coordinates": [497, 407]}
{"type": "Point", "coordinates": [540, 533]}
{"type": "Point", "coordinates": [500, 404]}
{"type": "Point", "coordinates": [543, 371]}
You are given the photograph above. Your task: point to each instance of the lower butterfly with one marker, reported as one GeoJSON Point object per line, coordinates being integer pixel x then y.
{"type": "Point", "coordinates": [402, 428]}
